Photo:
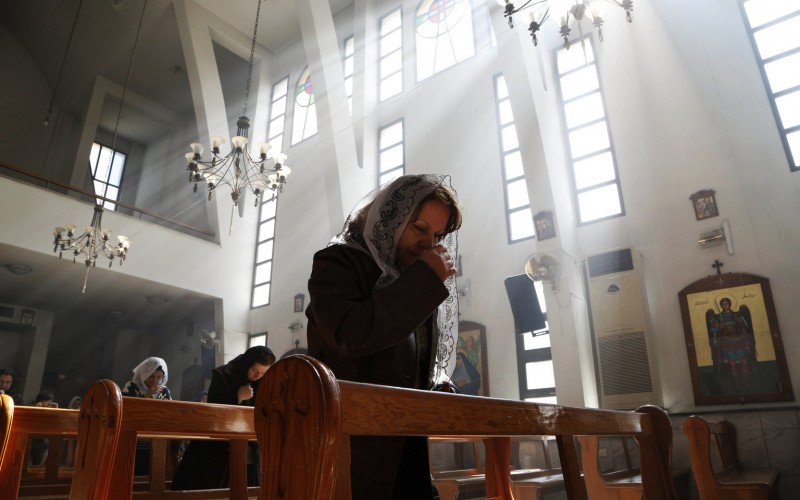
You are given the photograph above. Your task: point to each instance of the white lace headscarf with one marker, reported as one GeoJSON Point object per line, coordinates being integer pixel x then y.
{"type": "Point", "coordinates": [375, 226]}
{"type": "Point", "coordinates": [145, 369]}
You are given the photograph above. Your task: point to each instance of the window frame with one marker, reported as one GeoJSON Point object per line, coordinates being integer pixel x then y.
{"type": "Point", "coordinates": [110, 205]}
{"type": "Point", "coordinates": [794, 163]}
{"type": "Point", "coordinates": [401, 71]}
{"type": "Point", "coordinates": [402, 143]}
{"type": "Point", "coordinates": [261, 222]}
{"type": "Point", "coordinates": [503, 171]}
{"type": "Point", "coordinates": [271, 135]}
{"type": "Point", "coordinates": [351, 74]}
{"type": "Point", "coordinates": [572, 160]}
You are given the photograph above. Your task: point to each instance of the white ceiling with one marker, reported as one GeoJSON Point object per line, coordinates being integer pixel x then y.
{"type": "Point", "coordinates": [103, 41]}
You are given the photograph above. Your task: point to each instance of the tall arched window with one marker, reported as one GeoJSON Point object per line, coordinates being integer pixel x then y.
{"type": "Point", "coordinates": [444, 35]}
{"type": "Point", "coordinates": [305, 111]}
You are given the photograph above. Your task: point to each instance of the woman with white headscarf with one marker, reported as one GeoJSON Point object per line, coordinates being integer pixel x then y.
{"type": "Point", "coordinates": [383, 310]}
{"type": "Point", "coordinates": [149, 380]}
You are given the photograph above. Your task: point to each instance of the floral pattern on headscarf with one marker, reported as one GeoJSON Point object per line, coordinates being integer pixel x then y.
{"type": "Point", "coordinates": [375, 227]}
{"type": "Point", "coordinates": [145, 369]}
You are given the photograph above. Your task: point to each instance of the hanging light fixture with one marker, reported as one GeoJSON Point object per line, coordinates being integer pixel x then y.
{"type": "Point", "coordinates": [238, 170]}
{"type": "Point", "coordinates": [95, 242]}
{"type": "Point", "coordinates": [569, 10]}
{"type": "Point", "coordinates": [92, 244]}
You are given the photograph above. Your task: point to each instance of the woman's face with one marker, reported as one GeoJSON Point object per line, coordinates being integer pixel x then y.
{"type": "Point", "coordinates": [155, 378]}
{"type": "Point", "coordinates": [256, 371]}
{"type": "Point", "coordinates": [421, 234]}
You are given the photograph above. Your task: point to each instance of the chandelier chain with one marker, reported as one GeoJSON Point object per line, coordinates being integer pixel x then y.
{"type": "Point", "coordinates": [238, 169]}
{"type": "Point", "coordinates": [63, 60]}
{"type": "Point", "coordinates": [127, 80]}
{"type": "Point", "coordinates": [252, 56]}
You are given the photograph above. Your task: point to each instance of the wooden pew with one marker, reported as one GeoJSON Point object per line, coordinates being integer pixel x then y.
{"type": "Point", "coordinates": [109, 426]}
{"type": "Point", "coordinates": [454, 482]}
{"type": "Point", "coordinates": [622, 484]}
{"type": "Point", "coordinates": [625, 484]}
{"type": "Point", "coordinates": [732, 481]}
{"type": "Point", "coordinates": [6, 417]}
{"type": "Point", "coordinates": [304, 418]}
{"type": "Point", "coordinates": [18, 478]}
{"type": "Point", "coordinates": [550, 480]}
{"type": "Point", "coordinates": [30, 421]}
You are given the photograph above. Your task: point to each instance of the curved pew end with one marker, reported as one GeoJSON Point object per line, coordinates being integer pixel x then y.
{"type": "Point", "coordinates": [297, 420]}
{"type": "Point", "coordinates": [6, 418]}
{"type": "Point", "coordinates": [98, 433]}
{"type": "Point", "coordinates": [732, 481]}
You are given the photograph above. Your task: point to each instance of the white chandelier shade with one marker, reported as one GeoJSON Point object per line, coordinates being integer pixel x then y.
{"type": "Point", "coordinates": [94, 243]}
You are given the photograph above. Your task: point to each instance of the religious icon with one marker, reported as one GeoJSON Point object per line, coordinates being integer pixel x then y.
{"type": "Point", "coordinates": [705, 204]}
{"type": "Point", "coordinates": [733, 340]}
{"type": "Point", "coordinates": [470, 375]}
{"type": "Point", "coordinates": [545, 229]}
{"type": "Point", "coordinates": [299, 302]}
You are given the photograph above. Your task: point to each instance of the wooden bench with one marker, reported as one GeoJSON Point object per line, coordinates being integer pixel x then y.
{"type": "Point", "coordinates": [304, 418]}
{"type": "Point", "coordinates": [526, 483]}
{"type": "Point", "coordinates": [28, 421]}
{"type": "Point", "coordinates": [18, 479]}
{"type": "Point", "coordinates": [732, 481]}
{"type": "Point", "coordinates": [109, 426]}
{"type": "Point", "coordinates": [624, 484]}
{"type": "Point", "coordinates": [6, 417]}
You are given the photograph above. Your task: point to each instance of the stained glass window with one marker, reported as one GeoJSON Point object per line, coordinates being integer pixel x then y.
{"type": "Point", "coordinates": [305, 111]}
{"type": "Point", "coordinates": [444, 35]}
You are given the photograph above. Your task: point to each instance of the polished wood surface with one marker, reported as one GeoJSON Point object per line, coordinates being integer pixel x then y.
{"type": "Point", "coordinates": [111, 425]}
{"type": "Point", "coordinates": [451, 483]}
{"type": "Point", "coordinates": [303, 414]}
{"type": "Point", "coordinates": [732, 481]}
{"type": "Point", "coordinates": [25, 422]}
{"type": "Point", "coordinates": [621, 485]}
{"type": "Point", "coordinates": [6, 417]}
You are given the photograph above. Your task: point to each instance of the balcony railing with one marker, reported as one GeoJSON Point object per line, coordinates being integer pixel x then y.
{"type": "Point", "coordinates": [23, 175]}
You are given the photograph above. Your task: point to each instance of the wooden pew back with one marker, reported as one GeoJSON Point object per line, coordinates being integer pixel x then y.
{"type": "Point", "coordinates": [732, 481]}
{"type": "Point", "coordinates": [111, 424]}
{"type": "Point", "coordinates": [25, 422]}
{"type": "Point", "coordinates": [6, 417]}
{"type": "Point", "coordinates": [304, 418]}
{"type": "Point", "coordinates": [622, 484]}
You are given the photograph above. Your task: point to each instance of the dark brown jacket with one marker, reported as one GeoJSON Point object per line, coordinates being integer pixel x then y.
{"type": "Point", "coordinates": [367, 335]}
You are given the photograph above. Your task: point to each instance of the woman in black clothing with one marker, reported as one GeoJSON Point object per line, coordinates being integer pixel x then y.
{"type": "Point", "coordinates": [205, 463]}
{"type": "Point", "coordinates": [384, 310]}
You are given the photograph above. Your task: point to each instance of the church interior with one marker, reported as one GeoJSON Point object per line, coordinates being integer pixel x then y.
{"type": "Point", "coordinates": [641, 181]}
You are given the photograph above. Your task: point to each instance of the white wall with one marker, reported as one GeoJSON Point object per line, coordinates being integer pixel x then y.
{"type": "Point", "coordinates": [688, 111]}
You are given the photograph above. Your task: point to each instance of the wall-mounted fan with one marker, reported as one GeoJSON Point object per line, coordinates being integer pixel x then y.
{"type": "Point", "coordinates": [542, 267]}
{"type": "Point", "coordinates": [207, 339]}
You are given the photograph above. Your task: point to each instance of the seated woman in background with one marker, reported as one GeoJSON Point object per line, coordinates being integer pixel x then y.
{"type": "Point", "coordinates": [75, 403]}
{"type": "Point", "coordinates": [149, 380]}
{"type": "Point", "coordinates": [205, 463]}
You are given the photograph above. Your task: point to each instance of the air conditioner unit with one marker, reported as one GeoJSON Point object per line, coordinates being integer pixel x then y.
{"type": "Point", "coordinates": [620, 328]}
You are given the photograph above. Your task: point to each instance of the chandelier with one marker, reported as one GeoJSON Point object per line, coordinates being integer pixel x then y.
{"type": "Point", "coordinates": [238, 170]}
{"type": "Point", "coordinates": [570, 9]}
{"type": "Point", "coordinates": [94, 242]}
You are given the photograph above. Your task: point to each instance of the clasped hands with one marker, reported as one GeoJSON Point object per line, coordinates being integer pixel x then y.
{"type": "Point", "coordinates": [440, 260]}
